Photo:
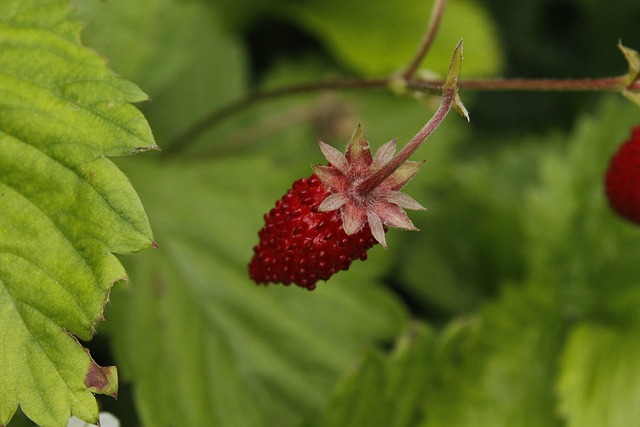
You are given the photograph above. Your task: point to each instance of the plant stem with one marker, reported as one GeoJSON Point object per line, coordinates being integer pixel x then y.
{"type": "Point", "coordinates": [560, 85]}
{"type": "Point", "coordinates": [184, 140]}
{"type": "Point", "coordinates": [432, 29]}
{"type": "Point", "coordinates": [377, 178]}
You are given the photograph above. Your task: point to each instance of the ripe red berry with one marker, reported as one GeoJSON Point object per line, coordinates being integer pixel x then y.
{"type": "Point", "coordinates": [301, 245]}
{"type": "Point", "coordinates": [326, 221]}
{"type": "Point", "coordinates": [332, 218]}
{"type": "Point", "coordinates": [622, 181]}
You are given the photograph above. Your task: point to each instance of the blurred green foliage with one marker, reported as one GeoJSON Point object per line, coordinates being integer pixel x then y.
{"type": "Point", "coordinates": [529, 284]}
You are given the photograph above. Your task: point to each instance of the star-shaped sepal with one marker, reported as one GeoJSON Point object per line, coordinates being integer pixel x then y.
{"type": "Point", "coordinates": [365, 188]}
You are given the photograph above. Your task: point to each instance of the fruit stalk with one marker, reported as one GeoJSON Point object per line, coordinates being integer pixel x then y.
{"type": "Point", "coordinates": [449, 99]}
{"type": "Point", "coordinates": [335, 216]}
{"type": "Point", "coordinates": [403, 155]}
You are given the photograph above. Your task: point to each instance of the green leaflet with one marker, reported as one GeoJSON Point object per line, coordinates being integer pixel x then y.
{"type": "Point", "coordinates": [65, 209]}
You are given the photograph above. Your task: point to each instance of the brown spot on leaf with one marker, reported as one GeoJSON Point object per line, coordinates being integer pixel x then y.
{"type": "Point", "coordinates": [102, 380]}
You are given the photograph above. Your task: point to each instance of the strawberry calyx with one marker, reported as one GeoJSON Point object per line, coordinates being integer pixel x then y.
{"type": "Point", "coordinates": [377, 206]}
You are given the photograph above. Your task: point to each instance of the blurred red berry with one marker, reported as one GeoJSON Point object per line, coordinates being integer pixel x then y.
{"type": "Point", "coordinates": [623, 179]}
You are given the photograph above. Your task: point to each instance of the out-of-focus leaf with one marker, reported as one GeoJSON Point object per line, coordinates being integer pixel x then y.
{"type": "Point", "coordinates": [386, 391]}
{"type": "Point", "coordinates": [576, 266]}
{"type": "Point", "coordinates": [531, 211]}
{"type": "Point", "coordinates": [206, 346]}
{"type": "Point", "coordinates": [500, 372]}
{"type": "Point", "coordinates": [145, 40]}
{"type": "Point", "coordinates": [65, 209]}
{"type": "Point", "coordinates": [573, 240]}
{"type": "Point", "coordinates": [455, 261]}
{"type": "Point", "coordinates": [175, 50]}
{"type": "Point", "coordinates": [240, 14]}
{"type": "Point", "coordinates": [381, 37]}
{"type": "Point", "coordinates": [599, 383]}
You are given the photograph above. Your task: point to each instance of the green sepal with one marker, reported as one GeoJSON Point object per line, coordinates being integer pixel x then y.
{"type": "Point", "coordinates": [633, 58]}
{"type": "Point", "coordinates": [451, 82]}
{"type": "Point", "coordinates": [455, 66]}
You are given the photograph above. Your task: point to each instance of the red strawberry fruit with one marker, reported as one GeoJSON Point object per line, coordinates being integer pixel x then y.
{"type": "Point", "coordinates": [623, 179]}
{"type": "Point", "coordinates": [332, 218]}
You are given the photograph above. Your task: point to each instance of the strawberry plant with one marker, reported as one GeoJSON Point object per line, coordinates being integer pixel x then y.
{"type": "Point", "coordinates": [142, 143]}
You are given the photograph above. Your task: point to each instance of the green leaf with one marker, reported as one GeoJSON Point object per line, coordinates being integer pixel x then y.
{"type": "Point", "coordinates": [599, 384]}
{"type": "Point", "coordinates": [65, 209]}
{"type": "Point", "coordinates": [211, 347]}
{"type": "Point", "coordinates": [386, 391]}
{"type": "Point", "coordinates": [499, 369]}
{"type": "Point", "coordinates": [377, 38]}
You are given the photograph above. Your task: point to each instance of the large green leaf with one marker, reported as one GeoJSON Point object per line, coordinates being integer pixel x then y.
{"type": "Point", "coordinates": [206, 346]}
{"type": "Point", "coordinates": [574, 240]}
{"type": "Point", "coordinates": [65, 209]}
{"type": "Point", "coordinates": [531, 210]}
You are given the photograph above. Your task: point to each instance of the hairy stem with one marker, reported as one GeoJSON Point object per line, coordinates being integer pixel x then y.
{"type": "Point", "coordinates": [559, 85]}
{"type": "Point", "coordinates": [183, 141]}
{"type": "Point", "coordinates": [383, 173]}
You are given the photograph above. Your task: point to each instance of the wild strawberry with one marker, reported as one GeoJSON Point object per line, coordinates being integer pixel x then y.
{"type": "Point", "coordinates": [623, 179]}
{"type": "Point", "coordinates": [333, 217]}
{"type": "Point", "coordinates": [328, 220]}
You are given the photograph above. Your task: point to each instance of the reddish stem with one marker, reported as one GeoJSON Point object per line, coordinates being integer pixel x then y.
{"type": "Point", "coordinates": [183, 141]}
{"type": "Point", "coordinates": [383, 173]}
{"type": "Point", "coordinates": [562, 85]}
{"type": "Point", "coordinates": [432, 30]}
